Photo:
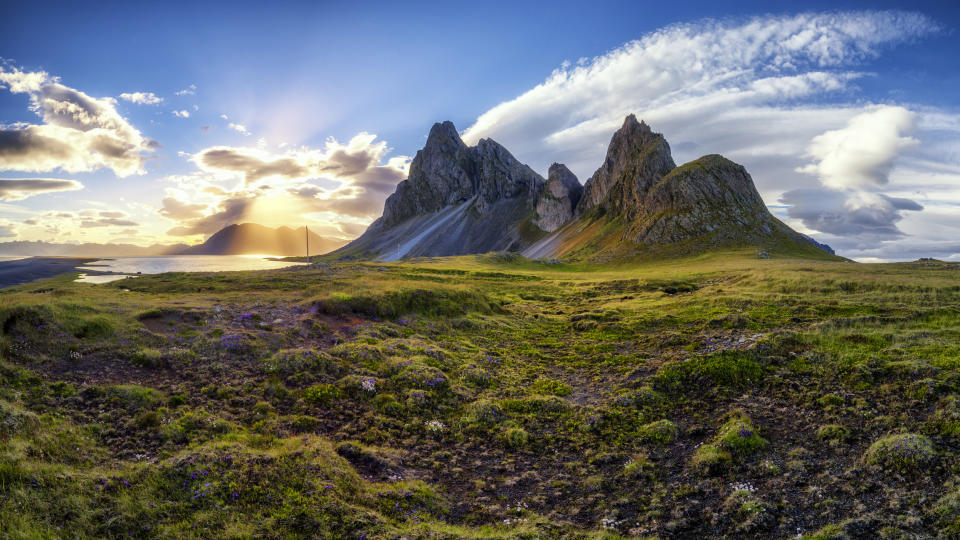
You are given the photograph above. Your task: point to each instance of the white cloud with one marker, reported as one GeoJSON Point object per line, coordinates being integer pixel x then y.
{"type": "Point", "coordinates": [770, 92]}
{"type": "Point", "coordinates": [239, 128]}
{"type": "Point", "coordinates": [182, 113]}
{"type": "Point", "coordinates": [142, 98]}
{"type": "Point", "coordinates": [861, 154]}
{"type": "Point", "coordinates": [188, 91]}
{"type": "Point", "coordinates": [80, 133]}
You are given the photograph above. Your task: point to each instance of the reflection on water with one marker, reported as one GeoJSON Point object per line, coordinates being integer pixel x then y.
{"type": "Point", "coordinates": [101, 278]}
{"type": "Point", "coordinates": [180, 263]}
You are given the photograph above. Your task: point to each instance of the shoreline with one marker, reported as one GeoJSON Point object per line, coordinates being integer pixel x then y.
{"type": "Point", "coordinates": [21, 271]}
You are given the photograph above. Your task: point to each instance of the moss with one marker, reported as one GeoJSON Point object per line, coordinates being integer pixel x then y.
{"type": "Point", "coordinates": [710, 460]}
{"type": "Point", "coordinates": [828, 401]}
{"type": "Point", "coordinates": [659, 432]}
{"type": "Point", "coordinates": [148, 358]}
{"type": "Point", "coordinates": [733, 369]}
{"type": "Point", "coordinates": [828, 532]}
{"type": "Point", "coordinates": [551, 387]}
{"type": "Point", "coordinates": [834, 433]}
{"type": "Point", "coordinates": [321, 394]}
{"type": "Point", "coordinates": [904, 452]}
{"type": "Point", "coordinates": [947, 513]}
{"type": "Point", "coordinates": [740, 437]}
{"type": "Point", "coordinates": [516, 438]}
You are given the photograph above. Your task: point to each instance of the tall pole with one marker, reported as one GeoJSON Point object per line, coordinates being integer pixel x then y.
{"type": "Point", "coordinates": [307, 235]}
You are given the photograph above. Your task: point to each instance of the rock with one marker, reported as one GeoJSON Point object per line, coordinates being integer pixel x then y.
{"type": "Point", "coordinates": [457, 200]}
{"type": "Point", "coordinates": [559, 198]}
{"type": "Point", "coordinates": [636, 159]}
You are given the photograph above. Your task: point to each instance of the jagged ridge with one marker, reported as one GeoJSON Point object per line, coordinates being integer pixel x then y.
{"type": "Point", "coordinates": [459, 199]}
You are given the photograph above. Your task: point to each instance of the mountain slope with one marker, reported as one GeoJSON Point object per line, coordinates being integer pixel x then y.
{"type": "Point", "coordinates": [460, 199]}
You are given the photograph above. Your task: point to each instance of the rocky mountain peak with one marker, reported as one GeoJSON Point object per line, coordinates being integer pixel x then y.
{"type": "Point", "coordinates": [637, 158]}
{"type": "Point", "coordinates": [560, 196]}
{"type": "Point", "coordinates": [443, 138]}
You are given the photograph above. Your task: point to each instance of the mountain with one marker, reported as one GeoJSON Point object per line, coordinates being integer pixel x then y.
{"type": "Point", "coordinates": [639, 202]}
{"type": "Point", "coordinates": [461, 199]}
{"type": "Point", "coordinates": [38, 249]}
{"type": "Point", "coordinates": [251, 238]}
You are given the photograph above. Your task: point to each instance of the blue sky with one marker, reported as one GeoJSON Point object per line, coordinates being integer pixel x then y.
{"type": "Point", "coordinates": [291, 76]}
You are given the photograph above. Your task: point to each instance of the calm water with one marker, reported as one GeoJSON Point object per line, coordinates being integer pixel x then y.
{"type": "Point", "coordinates": [181, 263]}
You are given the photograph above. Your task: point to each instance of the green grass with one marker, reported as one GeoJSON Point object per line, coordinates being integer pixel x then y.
{"type": "Point", "coordinates": [486, 397]}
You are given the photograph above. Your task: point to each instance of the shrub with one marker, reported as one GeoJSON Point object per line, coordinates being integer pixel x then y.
{"type": "Point", "coordinates": [659, 432]}
{"type": "Point", "coordinates": [904, 452]}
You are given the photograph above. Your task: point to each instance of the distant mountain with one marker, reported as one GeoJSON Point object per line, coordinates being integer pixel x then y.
{"type": "Point", "coordinates": [251, 238]}
{"type": "Point", "coordinates": [460, 199]}
{"type": "Point", "coordinates": [38, 249]}
{"type": "Point", "coordinates": [244, 239]}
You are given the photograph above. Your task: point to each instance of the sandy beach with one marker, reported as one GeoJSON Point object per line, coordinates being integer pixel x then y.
{"type": "Point", "coordinates": [22, 271]}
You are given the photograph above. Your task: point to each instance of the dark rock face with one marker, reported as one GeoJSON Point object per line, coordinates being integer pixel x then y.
{"type": "Point", "coordinates": [457, 199]}
{"type": "Point", "coordinates": [710, 195]}
{"type": "Point", "coordinates": [559, 198]}
{"type": "Point", "coordinates": [636, 159]}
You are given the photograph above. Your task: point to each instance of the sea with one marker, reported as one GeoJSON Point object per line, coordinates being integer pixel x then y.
{"type": "Point", "coordinates": [126, 267]}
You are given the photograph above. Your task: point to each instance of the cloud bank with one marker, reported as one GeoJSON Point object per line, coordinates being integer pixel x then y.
{"type": "Point", "coordinates": [342, 185]}
{"type": "Point", "coordinates": [79, 133]}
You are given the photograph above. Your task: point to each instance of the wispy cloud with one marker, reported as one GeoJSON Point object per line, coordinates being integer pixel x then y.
{"type": "Point", "coordinates": [239, 128]}
{"type": "Point", "coordinates": [188, 91]}
{"type": "Point", "coordinates": [182, 113]}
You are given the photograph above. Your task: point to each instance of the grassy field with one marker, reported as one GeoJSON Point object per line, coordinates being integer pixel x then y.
{"type": "Point", "coordinates": [486, 397]}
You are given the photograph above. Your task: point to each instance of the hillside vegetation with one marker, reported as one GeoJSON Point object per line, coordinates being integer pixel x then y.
{"type": "Point", "coordinates": [486, 397]}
